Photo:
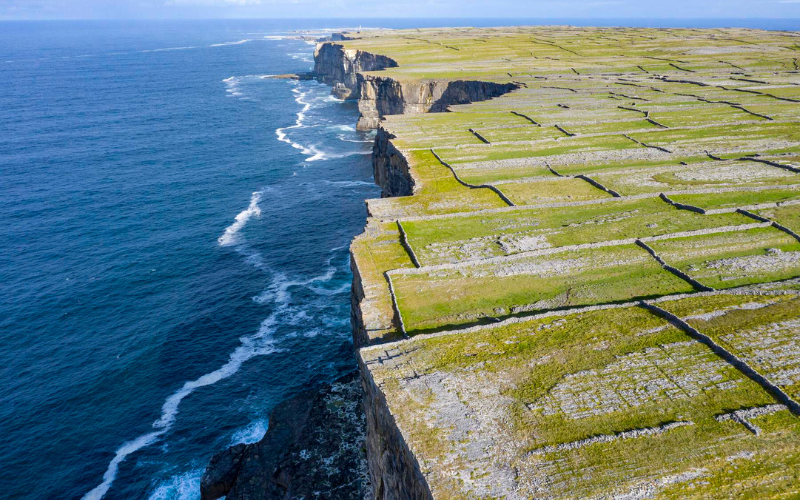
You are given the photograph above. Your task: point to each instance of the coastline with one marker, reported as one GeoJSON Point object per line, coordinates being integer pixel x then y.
{"type": "Point", "coordinates": [313, 448]}
{"type": "Point", "coordinates": [453, 251]}
{"type": "Point", "coordinates": [375, 435]}
{"type": "Point", "coordinates": [587, 286]}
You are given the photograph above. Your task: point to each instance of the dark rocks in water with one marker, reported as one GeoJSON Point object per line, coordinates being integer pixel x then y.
{"type": "Point", "coordinates": [222, 472]}
{"type": "Point", "coordinates": [314, 448]}
{"type": "Point", "coordinates": [292, 76]}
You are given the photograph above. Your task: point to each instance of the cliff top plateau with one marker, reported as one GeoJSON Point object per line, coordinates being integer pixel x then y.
{"type": "Point", "coordinates": [582, 279]}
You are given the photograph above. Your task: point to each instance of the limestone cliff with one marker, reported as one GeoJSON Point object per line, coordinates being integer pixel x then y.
{"type": "Point", "coordinates": [379, 96]}
{"type": "Point", "coordinates": [338, 67]}
{"type": "Point", "coordinates": [394, 472]}
{"type": "Point", "coordinates": [393, 469]}
{"type": "Point", "coordinates": [390, 167]}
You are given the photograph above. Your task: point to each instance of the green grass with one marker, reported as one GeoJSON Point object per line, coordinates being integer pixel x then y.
{"type": "Point", "coordinates": [727, 260]}
{"type": "Point", "coordinates": [708, 175]}
{"type": "Point", "coordinates": [557, 190]}
{"type": "Point", "coordinates": [612, 127]}
{"type": "Point", "coordinates": [737, 199]}
{"type": "Point", "coordinates": [788, 216]}
{"type": "Point", "coordinates": [600, 165]}
{"type": "Point", "coordinates": [722, 136]}
{"type": "Point", "coordinates": [705, 114]}
{"type": "Point", "coordinates": [699, 305]}
{"type": "Point", "coordinates": [766, 338]}
{"type": "Point", "coordinates": [434, 299]}
{"type": "Point", "coordinates": [462, 238]}
{"type": "Point", "coordinates": [525, 361]}
{"type": "Point", "coordinates": [555, 147]}
{"type": "Point", "coordinates": [528, 132]}
{"type": "Point", "coordinates": [375, 252]}
{"type": "Point", "coordinates": [505, 383]}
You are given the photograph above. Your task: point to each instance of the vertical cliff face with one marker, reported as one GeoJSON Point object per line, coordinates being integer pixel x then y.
{"type": "Point", "coordinates": [390, 167]}
{"type": "Point", "coordinates": [394, 471]}
{"type": "Point", "coordinates": [338, 67]}
{"type": "Point", "coordinates": [380, 96]}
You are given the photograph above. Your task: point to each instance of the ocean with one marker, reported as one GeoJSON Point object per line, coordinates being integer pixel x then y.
{"type": "Point", "coordinates": [174, 246]}
{"type": "Point", "coordinates": [174, 257]}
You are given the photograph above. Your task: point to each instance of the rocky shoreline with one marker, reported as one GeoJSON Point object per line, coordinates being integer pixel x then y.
{"type": "Point", "coordinates": [340, 441]}
{"type": "Point", "coordinates": [314, 448]}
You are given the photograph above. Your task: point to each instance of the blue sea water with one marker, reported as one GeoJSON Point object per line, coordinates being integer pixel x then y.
{"type": "Point", "coordinates": [174, 255]}
{"type": "Point", "coordinates": [173, 251]}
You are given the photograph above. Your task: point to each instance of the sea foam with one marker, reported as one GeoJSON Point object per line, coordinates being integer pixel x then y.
{"type": "Point", "coordinates": [313, 153]}
{"type": "Point", "coordinates": [225, 44]}
{"type": "Point", "coordinates": [182, 487]}
{"type": "Point", "coordinates": [253, 433]}
{"type": "Point", "coordinates": [258, 344]}
{"type": "Point", "coordinates": [231, 235]}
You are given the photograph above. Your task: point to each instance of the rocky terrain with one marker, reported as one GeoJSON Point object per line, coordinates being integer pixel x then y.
{"type": "Point", "coordinates": [582, 279]}
{"type": "Point", "coordinates": [314, 449]}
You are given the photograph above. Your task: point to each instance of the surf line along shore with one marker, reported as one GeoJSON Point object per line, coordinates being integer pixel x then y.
{"type": "Point", "coordinates": [307, 446]}
{"type": "Point", "coordinates": [580, 191]}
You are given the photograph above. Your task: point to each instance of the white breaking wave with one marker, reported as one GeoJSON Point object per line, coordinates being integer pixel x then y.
{"type": "Point", "coordinates": [317, 154]}
{"type": "Point", "coordinates": [342, 138]}
{"type": "Point", "coordinates": [258, 344]}
{"type": "Point", "coordinates": [122, 453]}
{"type": "Point", "coordinates": [253, 433]}
{"type": "Point", "coordinates": [313, 153]}
{"type": "Point", "coordinates": [187, 486]}
{"type": "Point", "coordinates": [182, 487]}
{"type": "Point", "coordinates": [251, 346]}
{"type": "Point", "coordinates": [225, 44]}
{"type": "Point", "coordinates": [336, 291]}
{"type": "Point", "coordinates": [350, 183]}
{"type": "Point", "coordinates": [166, 49]}
{"type": "Point", "coordinates": [233, 83]}
{"type": "Point", "coordinates": [231, 234]}
{"type": "Point", "coordinates": [349, 153]}
{"type": "Point", "coordinates": [302, 57]}
{"type": "Point", "coordinates": [278, 291]}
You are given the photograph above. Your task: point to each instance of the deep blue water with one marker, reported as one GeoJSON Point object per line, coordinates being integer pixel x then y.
{"type": "Point", "coordinates": [169, 267]}
{"type": "Point", "coordinates": [173, 246]}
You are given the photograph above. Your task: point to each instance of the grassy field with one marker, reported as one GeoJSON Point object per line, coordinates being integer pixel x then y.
{"type": "Point", "coordinates": [454, 239]}
{"type": "Point", "coordinates": [506, 297]}
{"type": "Point", "coordinates": [476, 291]}
{"type": "Point", "coordinates": [726, 260]}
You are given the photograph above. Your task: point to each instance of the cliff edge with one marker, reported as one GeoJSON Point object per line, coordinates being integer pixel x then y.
{"type": "Point", "coordinates": [349, 72]}
{"type": "Point", "coordinates": [588, 287]}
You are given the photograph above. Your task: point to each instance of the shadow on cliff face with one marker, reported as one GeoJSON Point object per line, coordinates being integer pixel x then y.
{"type": "Point", "coordinates": [347, 71]}
{"type": "Point", "coordinates": [382, 96]}
{"type": "Point", "coordinates": [314, 448]}
{"type": "Point", "coordinates": [466, 92]}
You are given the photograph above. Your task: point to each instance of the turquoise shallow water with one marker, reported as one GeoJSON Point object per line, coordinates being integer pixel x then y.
{"type": "Point", "coordinates": [173, 252]}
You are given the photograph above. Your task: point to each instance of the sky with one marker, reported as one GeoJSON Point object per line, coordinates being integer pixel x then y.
{"type": "Point", "coordinates": [361, 9]}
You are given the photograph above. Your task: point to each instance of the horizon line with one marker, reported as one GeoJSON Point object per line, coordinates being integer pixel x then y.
{"type": "Point", "coordinates": [408, 18]}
